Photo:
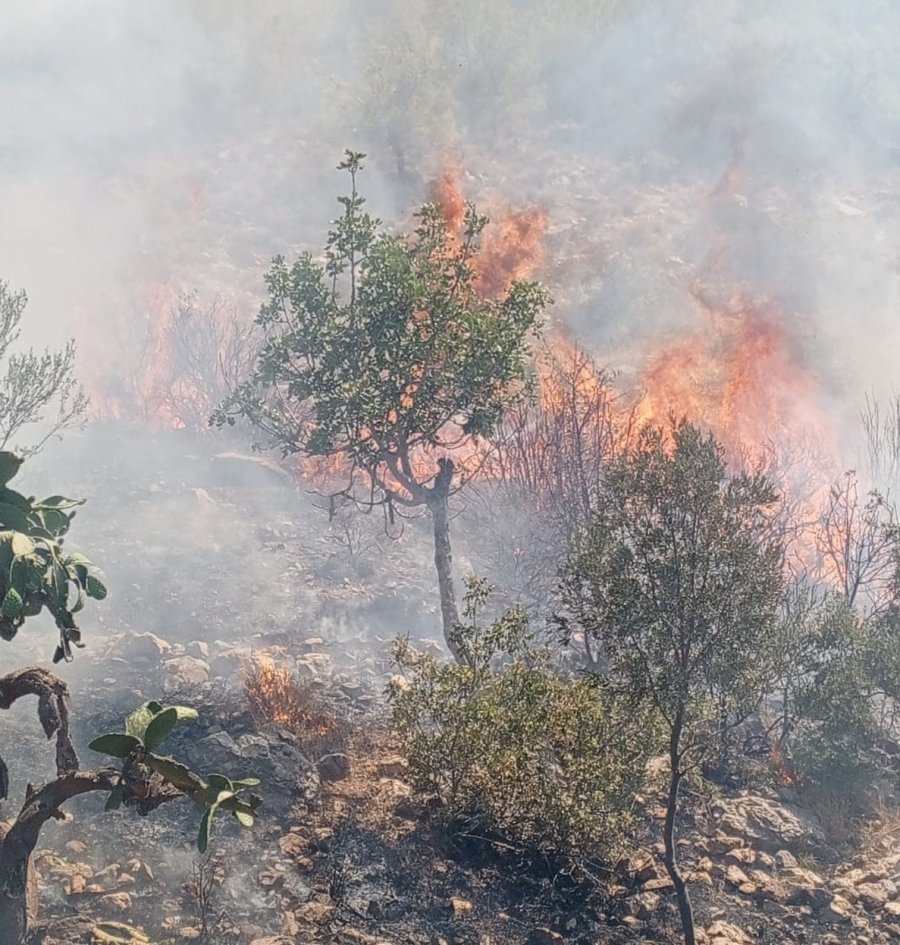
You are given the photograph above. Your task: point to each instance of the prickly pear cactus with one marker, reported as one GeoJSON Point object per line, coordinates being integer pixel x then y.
{"type": "Point", "coordinates": [146, 775]}
{"type": "Point", "coordinates": [35, 570]}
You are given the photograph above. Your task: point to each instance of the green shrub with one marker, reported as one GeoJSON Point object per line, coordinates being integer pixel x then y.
{"type": "Point", "coordinates": [510, 747]}
{"type": "Point", "coordinates": [846, 738]}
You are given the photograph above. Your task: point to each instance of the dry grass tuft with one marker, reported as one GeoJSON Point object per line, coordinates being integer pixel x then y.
{"type": "Point", "coordinates": [278, 697]}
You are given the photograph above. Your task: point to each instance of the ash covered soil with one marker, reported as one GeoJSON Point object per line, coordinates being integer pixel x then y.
{"type": "Point", "coordinates": [213, 561]}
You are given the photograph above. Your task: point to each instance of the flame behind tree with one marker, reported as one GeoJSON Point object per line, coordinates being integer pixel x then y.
{"type": "Point", "coordinates": [390, 357]}
{"type": "Point", "coordinates": [512, 248]}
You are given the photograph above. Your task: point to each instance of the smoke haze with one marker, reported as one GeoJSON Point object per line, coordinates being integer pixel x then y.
{"type": "Point", "coordinates": [750, 146]}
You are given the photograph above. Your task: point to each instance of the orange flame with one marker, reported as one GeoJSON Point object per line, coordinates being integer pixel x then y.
{"type": "Point", "coordinates": [276, 696]}
{"type": "Point", "coordinates": [512, 246]}
{"type": "Point", "coordinates": [741, 379]}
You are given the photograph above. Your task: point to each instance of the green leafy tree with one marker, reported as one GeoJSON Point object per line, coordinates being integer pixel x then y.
{"type": "Point", "coordinates": [38, 391]}
{"type": "Point", "coordinates": [37, 573]}
{"type": "Point", "coordinates": [388, 356]}
{"type": "Point", "coordinates": [681, 589]}
{"type": "Point", "coordinates": [513, 748]}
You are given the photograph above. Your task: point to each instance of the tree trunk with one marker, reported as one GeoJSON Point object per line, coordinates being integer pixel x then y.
{"type": "Point", "coordinates": [439, 507]}
{"type": "Point", "coordinates": [18, 879]}
{"type": "Point", "coordinates": [14, 925]}
{"type": "Point", "coordinates": [18, 899]}
{"type": "Point", "coordinates": [670, 859]}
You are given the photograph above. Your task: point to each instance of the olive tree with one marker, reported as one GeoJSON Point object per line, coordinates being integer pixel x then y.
{"type": "Point", "coordinates": [38, 573]}
{"type": "Point", "coordinates": [38, 390]}
{"type": "Point", "coordinates": [677, 582]}
{"type": "Point", "coordinates": [387, 357]}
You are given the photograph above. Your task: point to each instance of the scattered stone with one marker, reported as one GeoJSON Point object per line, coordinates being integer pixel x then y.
{"type": "Point", "coordinates": [742, 855]}
{"type": "Point", "coordinates": [785, 860]}
{"type": "Point", "coordinates": [187, 671]}
{"type": "Point", "coordinates": [314, 913]}
{"type": "Point", "coordinates": [724, 933]}
{"type": "Point", "coordinates": [141, 648]}
{"type": "Point", "coordinates": [644, 905]}
{"type": "Point", "coordinates": [769, 824]}
{"type": "Point", "coordinates": [120, 901]}
{"type": "Point", "coordinates": [334, 767]}
{"type": "Point", "coordinates": [736, 876]}
{"type": "Point", "coordinates": [661, 882]}
{"type": "Point", "coordinates": [460, 907]}
{"type": "Point", "coordinates": [838, 910]}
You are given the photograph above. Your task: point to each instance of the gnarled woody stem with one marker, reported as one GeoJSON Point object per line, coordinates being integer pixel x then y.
{"type": "Point", "coordinates": [18, 886]}
{"type": "Point", "coordinates": [53, 713]}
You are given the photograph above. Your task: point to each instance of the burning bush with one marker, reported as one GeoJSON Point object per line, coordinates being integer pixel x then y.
{"type": "Point", "coordinates": [277, 696]}
{"type": "Point", "coordinates": [191, 357]}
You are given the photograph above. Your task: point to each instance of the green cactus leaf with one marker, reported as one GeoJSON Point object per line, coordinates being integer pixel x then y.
{"type": "Point", "coordinates": [177, 774]}
{"type": "Point", "coordinates": [12, 497]}
{"type": "Point", "coordinates": [117, 744]}
{"type": "Point", "coordinates": [57, 582]}
{"type": "Point", "coordinates": [32, 607]}
{"type": "Point", "coordinates": [9, 466]}
{"type": "Point", "coordinates": [206, 822]}
{"type": "Point", "coordinates": [217, 784]}
{"type": "Point", "coordinates": [245, 783]}
{"type": "Point", "coordinates": [58, 502]}
{"type": "Point", "coordinates": [244, 819]}
{"type": "Point", "coordinates": [95, 588]}
{"type": "Point", "coordinates": [136, 723]}
{"type": "Point", "coordinates": [12, 604]}
{"type": "Point", "coordinates": [78, 562]}
{"type": "Point", "coordinates": [54, 521]}
{"type": "Point", "coordinates": [159, 728]}
{"type": "Point", "coordinates": [116, 796]}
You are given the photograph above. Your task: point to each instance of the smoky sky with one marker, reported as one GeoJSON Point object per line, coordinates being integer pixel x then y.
{"type": "Point", "coordinates": [753, 144]}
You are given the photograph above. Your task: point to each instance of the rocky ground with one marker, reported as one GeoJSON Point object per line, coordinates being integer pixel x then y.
{"type": "Point", "coordinates": [213, 561]}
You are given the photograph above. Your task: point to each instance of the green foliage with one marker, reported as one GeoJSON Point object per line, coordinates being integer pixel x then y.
{"type": "Point", "coordinates": [145, 730]}
{"type": "Point", "coordinates": [35, 570]}
{"type": "Point", "coordinates": [844, 701]}
{"type": "Point", "coordinates": [677, 582]}
{"type": "Point", "coordinates": [387, 350]}
{"type": "Point", "coordinates": [512, 748]}
{"type": "Point", "coordinates": [38, 390]}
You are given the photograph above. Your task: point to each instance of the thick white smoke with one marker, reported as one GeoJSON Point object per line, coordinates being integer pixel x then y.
{"type": "Point", "coordinates": [182, 143]}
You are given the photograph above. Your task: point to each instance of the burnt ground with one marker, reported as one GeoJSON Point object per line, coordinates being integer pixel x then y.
{"type": "Point", "coordinates": [210, 562]}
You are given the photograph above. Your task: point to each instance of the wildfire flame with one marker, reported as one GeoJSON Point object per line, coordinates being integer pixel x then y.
{"type": "Point", "coordinates": [512, 249]}
{"type": "Point", "coordinates": [740, 378]}
{"type": "Point", "coordinates": [276, 696]}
